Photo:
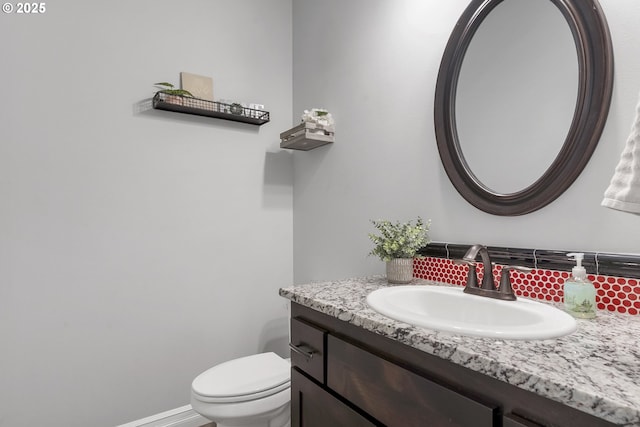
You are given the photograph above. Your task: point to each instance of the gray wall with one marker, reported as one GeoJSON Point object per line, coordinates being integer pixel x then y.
{"type": "Point", "coordinates": [376, 70]}
{"type": "Point", "coordinates": [137, 248]}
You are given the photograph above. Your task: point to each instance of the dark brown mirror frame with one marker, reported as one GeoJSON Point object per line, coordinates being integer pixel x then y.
{"type": "Point", "coordinates": [595, 60]}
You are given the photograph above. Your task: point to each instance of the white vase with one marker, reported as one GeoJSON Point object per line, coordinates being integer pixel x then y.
{"type": "Point", "coordinates": [400, 270]}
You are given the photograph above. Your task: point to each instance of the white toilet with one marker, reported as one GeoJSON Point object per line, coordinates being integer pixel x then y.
{"type": "Point", "coordinates": [252, 391]}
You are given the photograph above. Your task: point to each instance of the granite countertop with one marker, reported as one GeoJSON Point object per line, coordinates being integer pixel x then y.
{"type": "Point", "coordinates": [595, 369]}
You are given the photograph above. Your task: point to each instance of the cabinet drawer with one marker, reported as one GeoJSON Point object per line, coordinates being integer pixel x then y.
{"type": "Point", "coordinates": [312, 406]}
{"type": "Point", "coordinates": [398, 397]}
{"type": "Point", "coordinates": [308, 343]}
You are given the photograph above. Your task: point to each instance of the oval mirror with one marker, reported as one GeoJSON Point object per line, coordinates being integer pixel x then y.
{"type": "Point", "coordinates": [521, 101]}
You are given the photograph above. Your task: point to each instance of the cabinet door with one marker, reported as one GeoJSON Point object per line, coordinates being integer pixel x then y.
{"type": "Point", "coordinates": [312, 406]}
{"type": "Point", "coordinates": [398, 397]}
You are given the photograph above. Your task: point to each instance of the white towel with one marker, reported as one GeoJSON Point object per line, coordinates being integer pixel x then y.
{"type": "Point", "coordinates": [624, 190]}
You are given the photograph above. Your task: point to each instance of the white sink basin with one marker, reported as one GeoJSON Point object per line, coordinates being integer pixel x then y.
{"type": "Point", "coordinates": [451, 310]}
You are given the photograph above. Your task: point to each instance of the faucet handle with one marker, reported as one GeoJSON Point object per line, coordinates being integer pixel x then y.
{"type": "Point", "coordinates": [472, 277]}
{"type": "Point", "coordinates": [505, 280]}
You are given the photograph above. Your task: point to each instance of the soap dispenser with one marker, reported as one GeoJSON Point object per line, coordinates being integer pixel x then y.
{"type": "Point", "coordinates": [579, 292]}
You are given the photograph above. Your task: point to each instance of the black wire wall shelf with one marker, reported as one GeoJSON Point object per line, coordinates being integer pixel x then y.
{"type": "Point", "coordinates": [214, 109]}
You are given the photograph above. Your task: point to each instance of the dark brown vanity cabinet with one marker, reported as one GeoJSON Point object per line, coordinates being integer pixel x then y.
{"type": "Point", "coordinates": [343, 375]}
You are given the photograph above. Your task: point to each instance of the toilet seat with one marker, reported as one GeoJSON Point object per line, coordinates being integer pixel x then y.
{"type": "Point", "coordinates": [244, 379]}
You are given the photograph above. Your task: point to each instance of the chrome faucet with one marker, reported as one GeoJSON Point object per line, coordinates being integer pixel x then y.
{"type": "Point", "coordinates": [488, 287]}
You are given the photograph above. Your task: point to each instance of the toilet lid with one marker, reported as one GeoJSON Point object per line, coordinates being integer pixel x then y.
{"type": "Point", "coordinates": [244, 377]}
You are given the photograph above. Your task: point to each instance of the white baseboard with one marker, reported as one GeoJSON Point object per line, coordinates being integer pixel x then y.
{"type": "Point", "coordinates": [184, 416]}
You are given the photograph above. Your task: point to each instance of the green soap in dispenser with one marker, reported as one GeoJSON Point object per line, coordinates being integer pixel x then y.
{"type": "Point", "coordinates": [579, 292]}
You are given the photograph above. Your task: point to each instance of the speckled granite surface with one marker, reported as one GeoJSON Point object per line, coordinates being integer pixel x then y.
{"type": "Point", "coordinates": [596, 369]}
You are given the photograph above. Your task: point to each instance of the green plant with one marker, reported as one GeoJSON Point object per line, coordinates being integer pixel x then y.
{"type": "Point", "coordinates": [399, 240]}
{"type": "Point", "coordinates": [168, 88]}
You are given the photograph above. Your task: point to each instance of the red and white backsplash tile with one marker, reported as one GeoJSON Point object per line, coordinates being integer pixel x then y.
{"type": "Point", "coordinates": [617, 294]}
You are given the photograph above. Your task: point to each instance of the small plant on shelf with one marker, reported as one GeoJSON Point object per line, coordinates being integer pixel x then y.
{"type": "Point", "coordinates": [173, 94]}
{"type": "Point", "coordinates": [169, 89]}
